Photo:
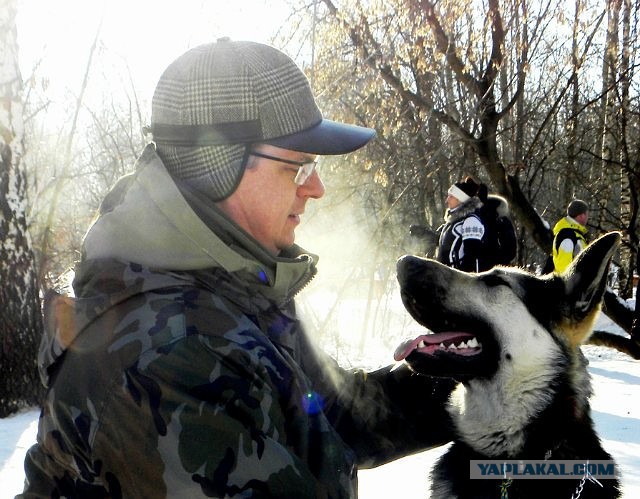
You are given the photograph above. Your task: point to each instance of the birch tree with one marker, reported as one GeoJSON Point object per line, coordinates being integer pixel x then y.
{"type": "Point", "coordinates": [20, 323]}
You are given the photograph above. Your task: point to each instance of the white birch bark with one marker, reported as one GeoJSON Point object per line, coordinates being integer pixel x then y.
{"type": "Point", "coordinates": [20, 323]}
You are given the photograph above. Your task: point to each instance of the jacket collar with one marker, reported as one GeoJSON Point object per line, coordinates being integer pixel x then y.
{"type": "Point", "coordinates": [569, 223]}
{"type": "Point", "coordinates": [463, 210]}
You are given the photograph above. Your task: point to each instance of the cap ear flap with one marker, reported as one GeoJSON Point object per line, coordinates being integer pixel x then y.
{"type": "Point", "coordinates": [585, 282]}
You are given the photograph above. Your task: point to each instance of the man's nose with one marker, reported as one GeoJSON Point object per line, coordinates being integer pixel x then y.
{"type": "Point", "coordinates": [313, 187]}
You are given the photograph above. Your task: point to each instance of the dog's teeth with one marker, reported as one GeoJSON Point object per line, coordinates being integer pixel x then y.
{"type": "Point", "coordinates": [452, 347]}
{"type": "Point", "coordinates": [473, 343]}
{"type": "Point", "coordinates": [421, 344]}
{"type": "Point", "coordinates": [462, 345]}
{"type": "Point", "coordinates": [441, 345]}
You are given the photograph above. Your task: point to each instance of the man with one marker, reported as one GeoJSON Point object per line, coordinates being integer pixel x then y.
{"type": "Point", "coordinates": [180, 368]}
{"type": "Point", "coordinates": [570, 235]}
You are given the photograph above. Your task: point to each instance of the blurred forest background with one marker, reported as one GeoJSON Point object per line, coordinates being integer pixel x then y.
{"type": "Point", "coordinates": [537, 99]}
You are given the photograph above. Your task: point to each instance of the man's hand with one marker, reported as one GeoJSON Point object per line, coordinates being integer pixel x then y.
{"type": "Point", "coordinates": [418, 230]}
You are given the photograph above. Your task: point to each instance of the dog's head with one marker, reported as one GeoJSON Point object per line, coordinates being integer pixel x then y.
{"type": "Point", "coordinates": [506, 314]}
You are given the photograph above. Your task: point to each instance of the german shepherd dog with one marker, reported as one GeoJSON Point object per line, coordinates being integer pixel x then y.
{"type": "Point", "coordinates": [513, 341]}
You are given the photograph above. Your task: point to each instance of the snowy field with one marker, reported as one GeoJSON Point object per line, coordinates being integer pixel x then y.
{"type": "Point", "coordinates": [616, 411]}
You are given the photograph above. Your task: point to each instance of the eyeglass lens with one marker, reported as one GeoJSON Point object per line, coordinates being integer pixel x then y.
{"type": "Point", "coordinates": [304, 172]}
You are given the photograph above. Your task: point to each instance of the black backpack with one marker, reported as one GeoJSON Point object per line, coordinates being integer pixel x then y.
{"type": "Point", "coordinates": [507, 241]}
{"type": "Point", "coordinates": [501, 237]}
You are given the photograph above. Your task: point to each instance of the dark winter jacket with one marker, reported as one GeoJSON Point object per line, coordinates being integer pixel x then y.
{"type": "Point", "coordinates": [462, 243]}
{"type": "Point", "coordinates": [180, 369]}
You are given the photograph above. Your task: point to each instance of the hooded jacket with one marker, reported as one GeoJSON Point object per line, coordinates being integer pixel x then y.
{"type": "Point", "coordinates": [180, 369]}
{"type": "Point", "coordinates": [569, 239]}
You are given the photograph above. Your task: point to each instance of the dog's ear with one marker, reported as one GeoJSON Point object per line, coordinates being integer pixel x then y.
{"type": "Point", "coordinates": [585, 282]}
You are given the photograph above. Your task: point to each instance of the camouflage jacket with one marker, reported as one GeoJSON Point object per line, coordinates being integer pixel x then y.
{"type": "Point", "coordinates": [199, 381]}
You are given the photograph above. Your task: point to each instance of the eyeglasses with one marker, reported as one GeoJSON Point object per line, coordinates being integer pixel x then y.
{"type": "Point", "coordinates": [305, 169]}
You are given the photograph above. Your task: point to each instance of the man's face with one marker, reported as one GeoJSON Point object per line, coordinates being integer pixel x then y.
{"type": "Point", "coordinates": [268, 203]}
{"type": "Point", "coordinates": [582, 218]}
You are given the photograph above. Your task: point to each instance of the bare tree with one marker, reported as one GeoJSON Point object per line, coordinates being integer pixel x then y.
{"type": "Point", "coordinates": [61, 177]}
{"type": "Point", "coordinates": [75, 158]}
{"type": "Point", "coordinates": [504, 92]}
{"type": "Point", "coordinates": [20, 323]}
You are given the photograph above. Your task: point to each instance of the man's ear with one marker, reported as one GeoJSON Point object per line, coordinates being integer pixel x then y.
{"type": "Point", "coordinates": [586, 278]}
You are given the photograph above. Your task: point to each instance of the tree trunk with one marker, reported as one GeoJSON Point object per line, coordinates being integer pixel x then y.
{"type": "Point", "coordinates": [572, 121]}
{"type": "Point", "coordinates": [614, 199]}
{"type": "Point", "coordinates": [20, 322]}
{"type": "Point", "coordinates": [629, 201]}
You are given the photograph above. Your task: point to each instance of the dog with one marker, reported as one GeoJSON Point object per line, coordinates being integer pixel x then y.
{"type": "Point", "coordinates": [512, 339]}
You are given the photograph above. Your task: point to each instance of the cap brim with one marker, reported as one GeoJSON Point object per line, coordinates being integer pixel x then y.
{"type": "Point", "coordinates": [326, 138]}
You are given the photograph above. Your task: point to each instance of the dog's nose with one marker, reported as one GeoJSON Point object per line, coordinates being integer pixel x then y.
{"type": "Point", "coordinates": [407, 265]}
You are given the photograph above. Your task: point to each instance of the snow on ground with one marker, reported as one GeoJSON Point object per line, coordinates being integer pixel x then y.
{"type": "Point", "coordinates": [616, 411]}
{"type": "Point", "coordinates": [17, 434]}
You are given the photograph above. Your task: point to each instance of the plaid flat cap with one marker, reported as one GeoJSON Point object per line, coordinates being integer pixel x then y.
{"type": "Point", "coordinates": [216, 98]}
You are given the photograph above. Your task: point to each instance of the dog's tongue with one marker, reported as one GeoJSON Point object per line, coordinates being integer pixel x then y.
{"type": "Point", "coordinates": [430, 339]}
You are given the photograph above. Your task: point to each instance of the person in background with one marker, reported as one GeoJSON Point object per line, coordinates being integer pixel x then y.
{"type": "Point", "coordinates": [488, 213]}
{"type": "Point", "coordinates": [462, 244]}
{"type": "Point", "coordinates": [180, 367]}
{"type": "Point", "coordinates": [570, 235]}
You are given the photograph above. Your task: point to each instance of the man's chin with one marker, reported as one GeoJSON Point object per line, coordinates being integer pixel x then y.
{"type": "Point", "coordinates": [285, 244]}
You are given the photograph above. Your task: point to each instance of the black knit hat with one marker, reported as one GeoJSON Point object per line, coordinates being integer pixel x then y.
{"type": "Point", "coordinates": [577, 207]}
{"type": "Point", "coordinates": [464, 190]}
{"type": "Point", "coordinates": [468, 186]}
{"type": "Point", "coordinates": [216, 98]}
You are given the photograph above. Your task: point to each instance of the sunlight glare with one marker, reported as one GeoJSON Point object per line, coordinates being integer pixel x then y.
{"type": "Point", "coordinates": [144, 34]}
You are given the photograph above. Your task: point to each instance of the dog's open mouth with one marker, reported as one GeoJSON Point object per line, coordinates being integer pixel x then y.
{"type": "Point", "coordinates": [452, 343]}
{"type": "Point", "coordinates": [459, 343]}
{"type": "Point", "coordinates": [454, 354]}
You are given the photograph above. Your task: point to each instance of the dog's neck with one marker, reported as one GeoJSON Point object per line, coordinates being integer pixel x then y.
{"type": "Point", "coordinates": [492, 422]}
{"type": "Point", "coordinates": [493, 416]}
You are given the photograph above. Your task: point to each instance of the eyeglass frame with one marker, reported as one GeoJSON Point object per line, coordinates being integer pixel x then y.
{"type": "Point", "coordinates": [305, 168]}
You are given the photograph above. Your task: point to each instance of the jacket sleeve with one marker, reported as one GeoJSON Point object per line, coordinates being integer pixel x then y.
{"type": "Point", "coordinates": [385, 414]}
{"type": "Point", "coordinates": [472, 233]}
